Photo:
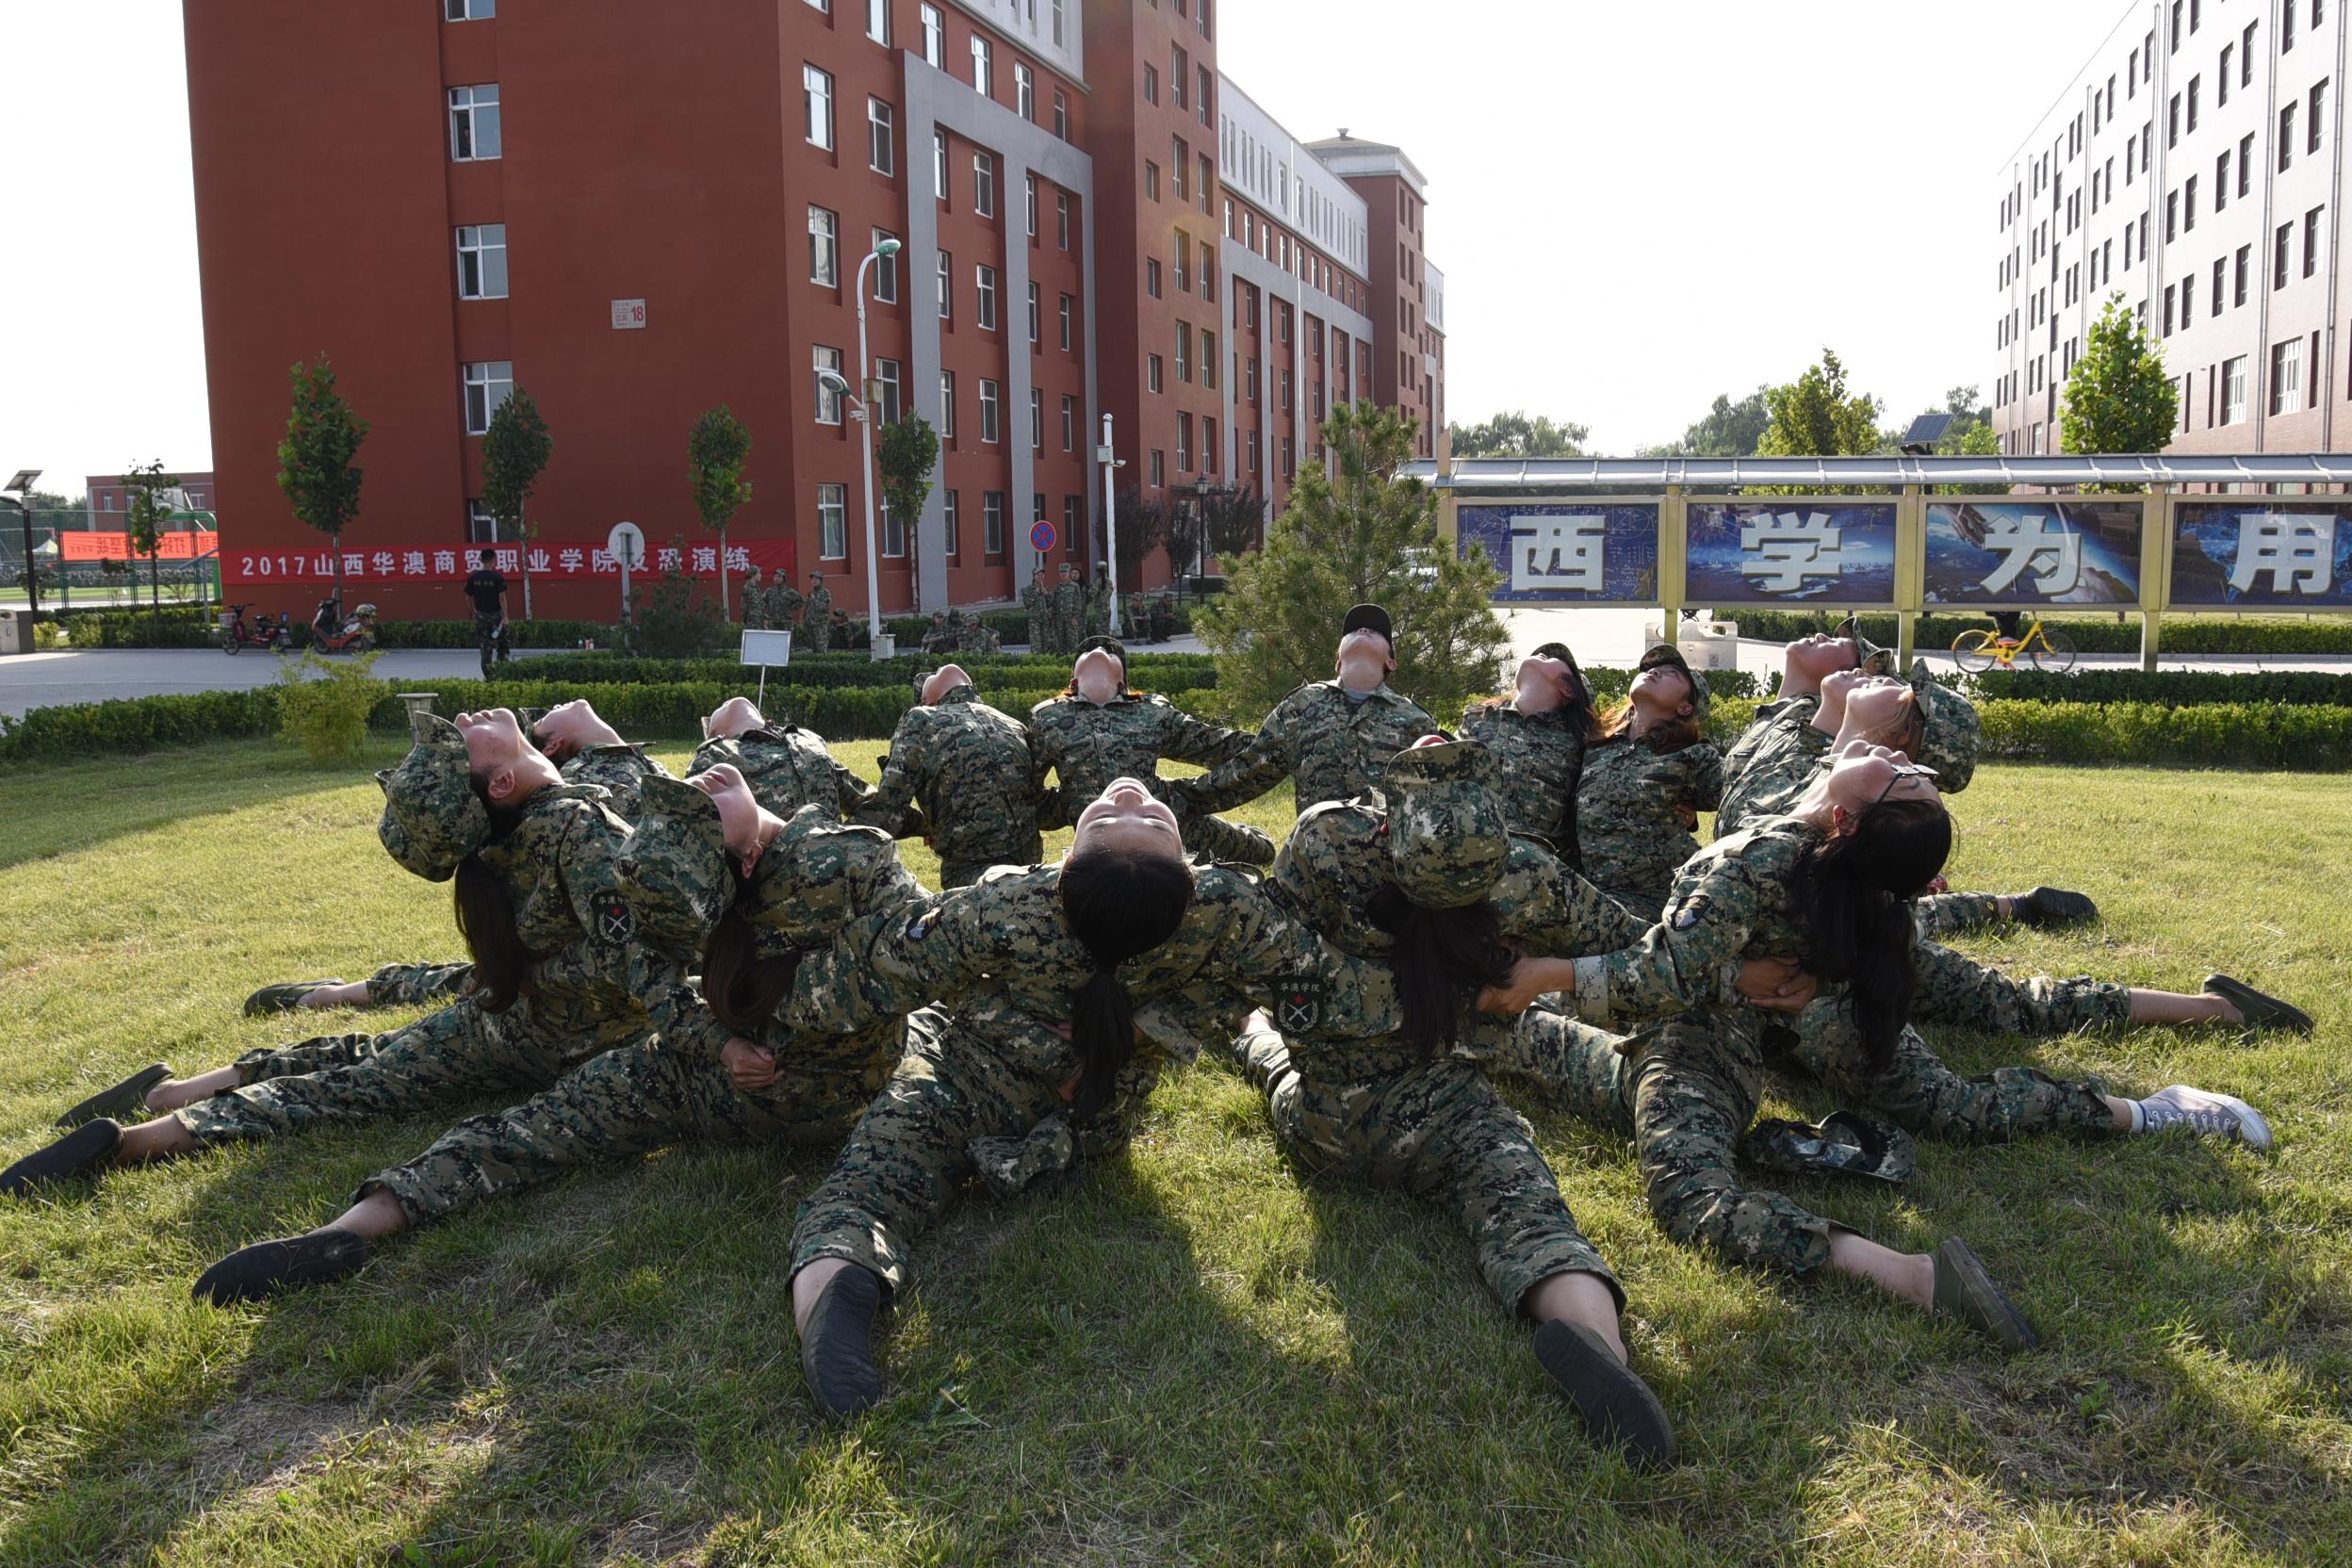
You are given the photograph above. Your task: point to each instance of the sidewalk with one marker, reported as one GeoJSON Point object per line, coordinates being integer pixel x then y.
{"type": "Point", "coordinates": [30, 680]}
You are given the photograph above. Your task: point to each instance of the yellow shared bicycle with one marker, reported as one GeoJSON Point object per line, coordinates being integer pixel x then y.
{"type": "Point", "coordinates": [2040, 647]}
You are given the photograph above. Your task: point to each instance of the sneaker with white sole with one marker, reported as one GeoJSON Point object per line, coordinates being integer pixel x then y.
{"type": "Point", "coordinates": [2183, 1109]}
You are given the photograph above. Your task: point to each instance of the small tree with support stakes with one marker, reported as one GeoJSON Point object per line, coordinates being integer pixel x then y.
{"type": "Point", "coordinates": [906, 453]}
{"type": "Point", "coordinates": [2119, 398]}
{"type": "Point", "coordinates": [715, 453]}
{"type": "Point", "coordinates": [514, 451]}
{"type": "Point", "coordinates": [315, 467]}
{"type": "Point", "coordinates": [143, 511]}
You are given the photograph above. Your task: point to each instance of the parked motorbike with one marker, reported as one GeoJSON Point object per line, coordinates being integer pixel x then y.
{"type": "Point", "coordinates": [237, 633]}
{"type": "Point", "coordinates": [329, 632]}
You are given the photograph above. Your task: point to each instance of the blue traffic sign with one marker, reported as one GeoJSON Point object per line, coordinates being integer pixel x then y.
{"type": "Point", "coordinates": [1041, 536]}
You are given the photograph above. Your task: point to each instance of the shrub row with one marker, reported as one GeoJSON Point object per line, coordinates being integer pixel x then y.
{"type": "Point", "coordinates": [2231, 735]}
{"type": "Point", "coordinates": [2093, 632]}
{"type": "Point", "coordinates": [1156, 672]}
{"type": "Point", "coordinates": [2175, 688]}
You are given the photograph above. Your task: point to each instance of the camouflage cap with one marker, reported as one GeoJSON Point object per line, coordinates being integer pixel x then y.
{"type": "Point", "coordinates": [431, 817]}
{"type": "Point", "coordinates": [1867, 656]}
{"type": "Point", "coordinates": [1953, 732]}
{"type": "Point", "coordinates": [674, 869]}
{"type": "Point", "coordinates": [1448, 836]}
{"type": "Point", "coordinates": [1668, 656]}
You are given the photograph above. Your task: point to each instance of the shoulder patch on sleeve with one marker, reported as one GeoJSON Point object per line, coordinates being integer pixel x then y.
{"type": "Point", "coordinates": [616, 922]}
{"type": "Point", "coordinates": [1690, 911]}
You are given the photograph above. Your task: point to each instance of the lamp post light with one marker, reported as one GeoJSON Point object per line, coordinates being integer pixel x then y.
{"type": "Point", "coordinates": [23, 485]}
{"type": "Point", "coordinates": [1202, 489]}
{"type": "Point", "coordinates": [1111, 464]}
{"type": "Point", "coordinates": [873, 555]}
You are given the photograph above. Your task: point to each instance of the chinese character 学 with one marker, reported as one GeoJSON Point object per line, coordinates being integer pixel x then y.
{"type": "Point", "coordinates": [2293, 547]}
{"type": "Point", "coordinates": [1781, 551]}
{"type": "Point", "coordinates": [2035, 540]}
{"type": "Point", "coordinates": [1560, 554]}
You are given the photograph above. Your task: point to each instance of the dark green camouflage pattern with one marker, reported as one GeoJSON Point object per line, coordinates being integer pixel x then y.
{"type": "Point", "coordinates": [431, 817]}
{"type": "Point", "coordinates": [1542, 758]}
{"type": "Point", "coordinates": [968, 780]}
{"type": "Point", "coordinates": [1635, 813]}
{"type": "Point", "coordinates": [1329, 747]}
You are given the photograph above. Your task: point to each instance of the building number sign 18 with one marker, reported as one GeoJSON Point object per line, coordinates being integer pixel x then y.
{"type": "Point", "coordinates": [628, 315]}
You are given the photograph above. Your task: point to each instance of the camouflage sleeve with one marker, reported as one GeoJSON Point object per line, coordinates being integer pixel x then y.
{"type": "Point", "coordinates": [892, 806]}
{"type": "Point", "coordinates": [1279, 963]}
{"type": "Point", "coordinates": [1549, 911]}
{"type": "Point", "coordinates": [1696, 777]}
{"type": "Point", "coordinates": [621, 770]}
{"type": "Point", "coordinates": [1690, 959]}
{"type": "Point", "coordinates": [889, 964]}
{"type": "Point", "coordinates": [852, 795]}
{"type": "Point", "coordinates": [612, 952]}
{"type": "Point", "coordinates": [1186, 739]}
{"type": "Point", "coordinates": [1260, 765]}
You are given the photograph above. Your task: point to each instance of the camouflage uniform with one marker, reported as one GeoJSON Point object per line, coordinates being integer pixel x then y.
{"type": "Point", "coordinates": [817, 619]}
{"type": "Point", "coordinates": [1634, 815]}
{"type": "Point", "coordinates": [969, 780]}
{"type": "Point", "coordinates": [1691, 1086]}
{"type": "Point", "coordinates": [755, 602]}
{"type": "Point", "coordinates": [1760, 729]}
{"type": "Point", "coordinates": [598, 986]}
{"type": "Point", "coordinates": [783, 604]}
{"type": "Point", "coordinates": [1783, 755]}
{"type": "Point", "coordinates": [1070, 612]}
{"type": "Point", "coordinates": [414, 985]}
{"type": "Point", "coordinates": [1037, 601]}
{"type": "Point", "coordinates": [788, 768]}
{"type": "Point", "coordinates": [1541, 756]}
{"type": "Point", "coordinates": [1099, 605]}
{"type": "Point", "coordinates": [986, 1098]}
{"type": "Point", "coordinates": [1087, 745]}
{"type": "Point", "coordinates": [1332, 747]}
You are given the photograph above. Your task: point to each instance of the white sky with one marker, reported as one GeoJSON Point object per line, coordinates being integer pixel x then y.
{"type": "Point", "coordinates": [1637, 204]}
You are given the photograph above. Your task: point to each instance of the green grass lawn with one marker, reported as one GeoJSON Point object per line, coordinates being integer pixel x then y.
{"type": "Point", "coordinates": [1192, 1355]}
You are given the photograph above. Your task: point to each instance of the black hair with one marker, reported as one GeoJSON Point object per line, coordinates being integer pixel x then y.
{"type": "Point", "coordinates": [743, 989]}
{"type": "Point", "coordinates": [485, 919]}
{"type": "Point", "coordinates": [1442, 959]}
{"type": "Point", "coordinates": [1852, 898]}
{"type": "Point", "coordinates": [1118, 903]}
{"type": "Point", "coordinates": [481, 558]}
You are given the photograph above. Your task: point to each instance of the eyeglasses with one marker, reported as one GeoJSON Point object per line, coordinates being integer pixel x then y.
{"type": "Point", "coordinates": [1902, 771]}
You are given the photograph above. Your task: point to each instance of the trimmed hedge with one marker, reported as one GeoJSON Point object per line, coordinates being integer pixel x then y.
{"type": "Point", "coordinates": [2093, 631]}
{"type": "Point", "coordinates": [2217, 735]}
{"type": "Point", "coordinates": [2173, 688]}
{"type": "Point", "coordinates": [1157, 671]}
{"type": "Point", "coordinates": [131, 724]}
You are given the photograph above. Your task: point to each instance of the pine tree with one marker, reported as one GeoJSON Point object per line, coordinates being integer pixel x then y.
{"type": "Point", "coordinates": [2119, 398]}
{"type": "Point", "coordinates": [1355, 531]}
{"type": "Point", "coordinates": [514, 453]}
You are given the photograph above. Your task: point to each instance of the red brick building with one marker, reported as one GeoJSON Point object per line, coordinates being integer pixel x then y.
{"type": "Point", "coordinates": [639, 213]}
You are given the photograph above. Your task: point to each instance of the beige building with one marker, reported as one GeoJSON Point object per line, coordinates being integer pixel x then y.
{"type": "Point", "coordinates": [2195, 166]}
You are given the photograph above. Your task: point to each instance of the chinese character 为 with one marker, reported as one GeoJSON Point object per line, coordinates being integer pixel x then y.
{"type": "Point", "coordinates": [738, 558]}
{"type": "Point", "coordinates": [2292, 547]}
{"type": "Point", "coordinates": [2035, 540]}
{"type": "Point", "coordinates": [1559, 553]}
{"type": "Point", "coordinates": [572, 559]}
{"type": "Point", "coordinates": [444, 560]}
{"type": "Point", "coordinates": [705, 558]}
{"type": "Point", "coordinates": [413, 563]}
{"type": "Point", "coordinates": [1782, 551]}
{"type": "Point", "coordinates": [601, 561]}
{"type": "Point", "coordinates": [669, 558]}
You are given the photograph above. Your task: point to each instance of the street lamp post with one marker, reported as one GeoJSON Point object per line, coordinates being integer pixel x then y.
{"type": "Point", "coordinates": [1110, 460]}
{"type": "Point", "coordinates": [23, 485]}
{"type": "Point", "coordinates": [873, 554]}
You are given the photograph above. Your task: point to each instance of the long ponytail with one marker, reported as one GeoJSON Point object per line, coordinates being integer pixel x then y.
{"type": "Point", "coordinates": [1442, 959]}
{"type": "Point", "coordinates": [1118, 904]}
{"type": "Point", "coordinates": [742, 989]}
{"type": "Point", "coordinates": [1853, 897]}
{"type": "Point", "coordinates": [485, 919]}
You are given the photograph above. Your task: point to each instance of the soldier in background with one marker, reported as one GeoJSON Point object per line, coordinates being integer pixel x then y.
{"type": "Point", "coordinates": [1099, 604]}
{"type": "Point", "coordinates": [1070, 608]}
{"type": "Point", "coordinates": [755, 602]}
{"type": "Point", "coordinates": [1038, 600]}
{"type": "Point", "coordinates": [818, 615]}
{"type": "Point", "coordinates": [964, 778]}
{"type": "Point", "coordinates": [783, 603]}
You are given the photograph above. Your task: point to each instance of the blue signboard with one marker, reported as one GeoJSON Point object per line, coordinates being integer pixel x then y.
{"type": "Point", "coordinates": [1792, 552]}
{"type": "Point", "coordinates": [2032, 553]}
{"type": "Point", "coordinates": [2263, 554]}
{"type": "Point", "coordinates": [1594, 554]}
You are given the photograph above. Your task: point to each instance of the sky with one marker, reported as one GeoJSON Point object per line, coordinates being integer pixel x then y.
{"type": "Point", "coordinates": [1636, 206]}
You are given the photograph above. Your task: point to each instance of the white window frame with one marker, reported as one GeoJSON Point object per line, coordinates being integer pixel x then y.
{"type": "Point", "coordinates": [480, 378]}
{"type": "Point", "coordinates": [2233, 409]}
{"type": "Point", "coordinates": [1069, 423]}
{"type": "Point", "coordinates": [984, 287]}
{"type": "Point", "coordinates": [991, 412]}
{"type": "Point", "coordinates": [983, 184]}
{"type": "Point", "coordinates": [947, 405]}
{"type": "Point", "coordinates": [1035, 318]}
{"type": "Point", "coordinates": [816, 105]}
{"type": "Point", "coordinates": [825, 247]}
{"type": "Point", "coordinates": [1061, 217]}
{"type": "Point", "coordinates": [833, 522]}
{"type": "Point", "coordinates": [881, 138]}
{"type": "Point", "coordinates": [954, 531]}
{"type": "Point", "coordinates": [884, 271]}
{"type": "Point", "coordinates": [938, 165]}
{"type": "Point", "coordinates": [983, 66]}
{"type": "Point", "coordinates": [469, 10]}
{"type": "Point", "coordinates": [476, 242]}
{"type": "Point", "coordinates": [992, 523]}
{"type": "Point", "coordinates": [1036, 419]}
{"type": "Point", "coordinates": [934, 38]}
{"type": "Point", "coordinates": [1024, 92]}
{"type": "Point", "coordinates": [878, 21]}
{"type": "Point", "coordinates": [473, 110]}
{"type": "Point", "coordinates": [829, 401]}
{"type": "Point", "coordinates": [946, 286]}
{"type": "Point", "coordinates": [1066, 310]}
{"type": "Point", "coordinates": [890, 386]}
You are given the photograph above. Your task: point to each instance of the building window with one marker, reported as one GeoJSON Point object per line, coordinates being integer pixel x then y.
{"type": "Point", "coordinates": [1059, 34]}
{"type": "Point", "coordinates": [1036, 316]}
{"type": "Point", "coordinates": [934, 38]}
{"type": "Point", "coordinates": [886, 377]}
{"type": "Point", "coordinates": [1184, 350]}
{"type": "Point", "coordinates": [2311, 240]}
{"type": "Point", "coordinates": [469, 10]}
{"type": "Point", "coordinates": [474, 123]}
{"type": "Point", "coordinates": [488, 384]}
{"type": "Point", "coordinates": [1208, 359]}
{"type": "Point", "coordinates": [983, 67]}
{"type": "Point", "coordinates": [2246, 165]}
{"type": "Point", "coordinates": [1029, 201]}
{"type": "Point", "coordinates": [2246, 256]}
{"type": "Point", "coordinates": [829, 401]}
{"type": "Point", "coordinates": [2195, 87]}
{"type": "Point", "coordinates": [1036, 421]}
{"type": "Point", "coordinates": [1285, 385]}
{"type": "Point", "coordinates": [1152, 379]}
{"type": "Point", "coordinates": [983, 184]}
{"type": "Point", "coordinates": [992, 428]}
{"type": "Point", "coordinates": [1158, 468]}
{"type": "Point", "coordinates": [893, 533]}
{"type": "Point", "coordinates": [1152, 276]}
{"type": "Point", "coordinates": [1066, 303]}
{"type": "Point", "coordinates": [1061, 101]}
{"type": "Point", "coordinates": [2286, 377]}
{"type": "Point", "coordinates": [992, 523]}
{"type": "Point", "coordinates": [833, 522]}
{"type": "Point", "coordinates": [2282, 243]}
{"type": "Point", "coordinates": [1061, 220]}
{"type": "Point", "coordinates": [984, 276]}
{"type": "Point", "coordinates": [1289, 463]}
{"type": "Point", "coordinates": [1069, 423]}
{"type": "Point", "coordinates": [2188, 206]}
{"type": "Point", "coordinates": [884, 270]}
{"type": "Point", "coordinates": [1150, 180]}
{"type": "Point", "coordinates": [2286, 130]}
{"type": "Point", "coordinates": [878, 20]}
{"type": "Point", "coordinates": [1184, 262]}
{"type": "Point", "coordinates": [947, 405]}
{"type": "Point", "coordinates": [881, 141]}
{"type": "Point", "coordinates": [1180, 157]}
{"type": "Point", "coordinates": [1151, 83]}
{"type": "Point", "coordinates": [2221, 283]}
{"type": "Point", "coordinates": [946, 286]}
{"type": "Point", "coordinates": [1024, 92]}
{"type": "Point", "coordinates": [2318, 104]}
{"type": "Point", "coordinates": [938, 164]}
{"type": "Point", "coordinates": [2233, 391]}
{"type": "Point", "coordinates": [955, 530]}
{"type": "Point", "coordinates": [1184, 443]}
{"type": "Point", "coordinates": [824, 247]}
{"type": "Point", "coordinates": [481, 260]}
{"type": "Point", "coordinates": [1179, 74]}
{"type": "Point", "coordinates": [1201, 95]}
{"type": "Point", "coordinates": [1208, 445]}
{"type": "Point", "coordinates": [816, 102]}
{"type": "Point", "coordinates": [481, 527]}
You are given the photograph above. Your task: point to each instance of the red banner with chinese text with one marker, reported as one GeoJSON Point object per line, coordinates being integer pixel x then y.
{"type": "Point", "coordinates": [548, 559]}
{"type": "Point", "coordinates": [75, 546]}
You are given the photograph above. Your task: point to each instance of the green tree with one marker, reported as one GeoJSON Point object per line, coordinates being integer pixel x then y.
{"type": "Point", "coordinates": [1728, 429]}
{"type": "Point", "coordinates": [1815, 416]}
{"type": "Point", "coordinates": [514, 451]}
{"type": "Point", "coordinates": [315, 467]}
{"type": "Point", "coordinates": [716, 454]}
{"type": "Point", "coordinates": [906, 454]}
{"type": "Point", "coordinates": [1143, 527]}
{"type": "Point", "coordinates": [1513, 433]}
{"type": "Point", "coordinates": [1235, 515]}
{"type": "Point", "coordinates": [144, 513]}
{"type": "Point", "coordinates": [1354, 530]}
{"type": "Point", "coordinates": [2119, 398]}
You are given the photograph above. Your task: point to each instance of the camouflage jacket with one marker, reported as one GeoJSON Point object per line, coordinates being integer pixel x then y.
{"type": "Point", "coordinates": [1743, 751]}
{"type": "Point", "coordinates": [788, 768]}
{"type": "Point", "coordinates": [1729, 904]}
{"type": "Point", "coordinates": [783, 606]}
{"type": "Point", "coordinates": [1330, 748]}
{"type": "Point", "coordinates": [818, 606]}
{"type": "Point", "coordinates": [1542, 758]}
{"type": "Point", "coordinates": [1070, 612]}
{"type": "Point", "coordinates": [620, 769]}
{"type": "Point", "coordinates": [1088, 746]}
{"type": "Point", "coordinates": [1783, 762]}
{"type": "Point", "coordinates": [595, 968]}
{"type": "Point", "coordinates": [1632, 829]}
{"type": "Point", "coordinates": [966, 777]}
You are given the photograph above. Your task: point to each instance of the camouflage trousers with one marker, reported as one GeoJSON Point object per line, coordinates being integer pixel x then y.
{"type": "Point", "coordinates": [1438, 1129]}
{"type": "Point", "coordinates": [817, 633]}
{"type": "Point", "coordinates": [961, 1103]}
{"type": "Point", "coordinates": [1695, 1084]}
{"type": "Point", "coordinates": [451, 1054]}
{"type": "Point", "coordinates": [641, 1098]}
{"type": "Point", "coordinates": [414, 985]}
{"type": "Point", "coordinates": [1948, 914]}
{"type": "Point", "coordinates": [1956, 988]}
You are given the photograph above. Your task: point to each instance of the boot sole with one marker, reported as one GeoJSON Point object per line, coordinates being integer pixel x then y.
{"type": "Point", "coordinates": [843, 1378]}
{"type": "Point", "coordinates": [1982, 1305]}
{"type": "Point", "coordinates": [79, 1152]}
{"type": "Point", "coordinates": [270, 1268]}
{"type": "Point", "coordinates": [1618, 1408]}
{"type": "Point", "coordinates": [2259, 1011]}
{"type": "Point", "coordinates": [128, 1095]}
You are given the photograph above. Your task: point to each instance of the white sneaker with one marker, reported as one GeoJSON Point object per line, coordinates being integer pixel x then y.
{"type": "Point", "coordinates": [2181, 1108]}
